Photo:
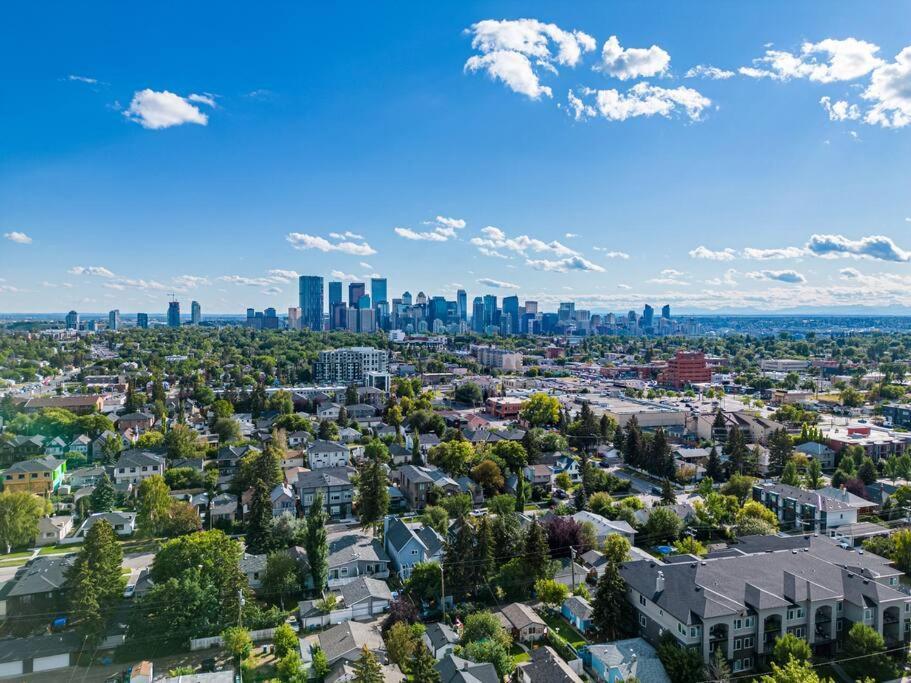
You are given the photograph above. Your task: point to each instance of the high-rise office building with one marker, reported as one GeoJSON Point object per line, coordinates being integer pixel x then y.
{"type": "Point", "coordinates": [270, 319]}
{"type": "Point", "coordinates": [294, 317]}
{"type": "Point", "coordinates": [195, 313]}
{"type": "Point", "coordinates": [490, 309]}
{"type": "Point", "coordinates": [72, 320]}
{"type": "Point", "coordinates": [378, 291]}
{"type": "Point", "coordinates": [421, 299]}
{"type": "Point", "coordinates": [462, 301]}
{"type": "Point", "coordinates": [310, 300]}
{"type": "Point", "coordinates": [355, 291]}
{"type": "Point", "coordinates": [363, 302]}
{"type": "Point", "coordinates": [142, 321]}
{"type": "Point", "coordinates": [437, 310]}
{"type": "Point", "coordinates": [531, 307]}
{"type": "Point", "coordinates": [335, 294]}
{"type": "Point", "coordinates": [566, 312]}
{"type": "Point", "coordinates": [511, 312]}
{"type": "Point", "coordinates": [114, 320]}
{"type": "Point", "coordinates": [406, 298]}
{"type": "Point", "coordinates": [477, 314]}
{"type": "Point", "coordinates": [173, 314]}
{"type": "Point", "coordinates": [648, 316]}
{"type": "Point", "coordinates": [666, 311]}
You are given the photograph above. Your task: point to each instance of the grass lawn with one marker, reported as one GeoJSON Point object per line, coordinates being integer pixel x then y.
{"type": "Point", "coordinates": [563, 629]}
{"type": "Point", "coordinates": [16, 555]}
{"type": "Point", "coordinates": [518, 654]}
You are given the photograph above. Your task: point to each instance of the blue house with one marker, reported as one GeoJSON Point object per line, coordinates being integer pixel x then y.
{"type": "Point", "coordinates": [407, 544]}
{"type": "Point", "coordinates": [578, 612]}
{"type": "Point", "coordinates": [624, 659]}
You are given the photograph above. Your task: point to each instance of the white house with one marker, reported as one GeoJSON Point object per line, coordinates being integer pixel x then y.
{"type": "Point", "coordinates": [134, 466]}
{"type": "Point", "coordinates": [321, 454]}
{"type": "Point", "coordinates": [605, 527]}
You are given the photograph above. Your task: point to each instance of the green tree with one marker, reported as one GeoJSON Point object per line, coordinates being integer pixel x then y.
{"type": "Point", "coordinates": [552, 593]}
{"type": "Point", "coordinates": [227, 428]}
{"type": "Point", "coordinates": [285, 641]}
{"type": "Point", "coordinates": [422, 666]}
{"type": "Point", "coordinates": [491, 652]}
{"type": "Point", "coordinates": [153, 504]}
{"type": "Point", "coordinates": [259, 524]}
{"type": "Point", "coordinates": [901, 554]}
{"type": "Point", "coordinates": [237, 641]}
{"type": "Point", "coordinates": [537, 552]}
{"type": "Point", "coordinates": [320, 663]}
{"type": "Point", "coordinates": [484, 626]}
{"type": "Point", "coordinates": [367, 669]}
{"type": "Point", "coordinates": [182, 442]}
{"type": "Point", "coordinates": [512, 453]}
{"type": "Point", "coordinates": [452, 456]}
{"type": "Point", "coordinates": [290, 668]}
{"type": "Point", "coordinates": [610, 609]}
{"type": "Point", "coordinates": [282, 576]}
{"type": "Point", "coordinates": [866, 646]}
{"type": "Point", "coordinates": [373, 486]}
{"type": "Point", "coordinates": [19, 515]}
{"type": "Point", "coordinates": [789, 646]}
{"type": "Point", "coordinates": [713, 468]}
{"type": "Point", "coordinates": [111, 448]}
{"type": "Point", "coordinates": [317, 544]}
{"type": "Point", "coordinates": [795, 671]}
{"type": "Point", "coordinates": [402, 643]}
{"type": "Point", "coordinates": [104, 496]}
{"type": "Point", "coordinates": [789, 474]}
{"type": "Point", "coordinates": [469, 393]}
{"type": "Point", "coordinates": [813, 479]}
{"type": "Point", "coordinates": [540, 410]}
{"type": "Point", "coordinates": [668, 497]}
{"type": "Point", "coordinates": [425, 583]}
{"type": "Point", "coordinates": [781, 447]}
{"type": "Point", "coordinates": [437, 518]}
{"type": "Point", "coordinates": [616, 548]}
{"type": "Point", "coordinates": [93, 582]}
{"type": "Point", "coordinates": [663, 525]}
{"type": "Point", "coordinates": [688, 545]}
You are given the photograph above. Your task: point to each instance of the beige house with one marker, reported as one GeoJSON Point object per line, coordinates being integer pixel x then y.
{"type": "Point", "coordinates": [522, 622]}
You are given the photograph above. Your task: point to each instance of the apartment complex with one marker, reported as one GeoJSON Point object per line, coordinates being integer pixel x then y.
{"type": "Point", "coordinates": [499, 359]}
{"type": "Point", "coordinates": [685, 368]}
{"type": "Point", "coordinates": [350, 365]}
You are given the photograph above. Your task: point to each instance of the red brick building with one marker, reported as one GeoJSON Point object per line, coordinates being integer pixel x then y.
{"type": "Point", "coordinates": [686, 367]}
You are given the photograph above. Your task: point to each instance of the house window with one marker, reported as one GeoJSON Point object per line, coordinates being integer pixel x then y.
{"type": "Point", "coordinates": [738, 624]}
{"type": "Point", "coordinates": [344, 571]}
{"type": "Point", "coordinates": [868, 614]}
{"type": "Point", "coordinates": [643, 622]}
{"type": "Point", "coordinates": [747, 642]}
{"type": "Point", "coordinates": [642, 600]}
{"type": "Point", "coordinates": [738, 643]}
{"type": "Point", "coordinates": [414, 551]}
{"type": "Point", "coordinates": [839, 607]}
{"type": "Point", "coordinates": [749, 622]}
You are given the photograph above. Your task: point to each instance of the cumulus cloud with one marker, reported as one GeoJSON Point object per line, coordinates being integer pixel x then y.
{"type": "Point", "coordinates": [643, 99]}
{"type": "Point", "coordinates": [82, 79]}
{"type": "Point", "coordinates": [492, 252]}
{"type": "Point", "coordinates": [564, 264]}
{"type": "Point", "coordinates": [726, 279]}
{"type": "Point", "coordinates": [769, 254]}
{"type": "Point", "coordinates": [890, 93]}
{"type": "Point", "coordinates": [248, 281]}
{"type": "Point", "coordinates": [840, 110]}
{"type": "Point", "coordinates": [827, 61]}
{"type": "Point", "coordinates": [703, 252]}
{"type": "Point", "coordinates": [514, 51]}
{"type": "Point", "coordinates": [850, 273]}
{"type": "Point", "coordinates": [346, 235]}
{"type": "Point", "coordinates": [162, 109]}
{"type": "Point", "coordinates": [877, 247]}
{"type": "Point", "coordinates": [612, 254]}
{"type": "Point", "coordinates": [786, 276]}
{"type": "Point", "coordinates": [283, 276]}
{"type": "Point", "coordinates": [712, 73]}
{"type": "Point", "coordinates": [495, 239]}
{"type": "Point", "coordinates": [634, 62]}
{"type": "Point", "coordinates": [410, 234]}
{"type": "Point", "coordinates": [496, 284]}
{"type": "Point", "coordinates": [190, 281]}
{"type": "Point", "coordinates": [96, 271]}
{"type": "Point", "coordinates": [571, 235]}
{"type": "Point", "coordinates": [303, 241]}
{"type": "Point", "coordinates": [443, 229]}
{"type": "Point", "coordinates": [18, 237]}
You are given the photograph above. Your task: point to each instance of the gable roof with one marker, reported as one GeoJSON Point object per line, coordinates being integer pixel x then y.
{"type": "Point", "coordinates": [44, 464]}
{"type": "Point", "coordinates": [347, 638]}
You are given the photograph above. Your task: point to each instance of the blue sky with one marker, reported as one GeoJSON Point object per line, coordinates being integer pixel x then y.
{"type": "Point", "coordinates": [213, 151]}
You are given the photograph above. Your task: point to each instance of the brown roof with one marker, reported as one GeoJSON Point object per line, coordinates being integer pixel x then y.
{"type": "Point", "coordinates": [63, 401]}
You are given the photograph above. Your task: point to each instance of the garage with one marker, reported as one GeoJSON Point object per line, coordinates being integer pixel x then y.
{"type": "Point", "coordinates": [8, 669]}
{"type": "Point", "coordinates": [51, 662]}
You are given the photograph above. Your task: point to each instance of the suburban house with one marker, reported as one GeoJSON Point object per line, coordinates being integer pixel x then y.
{"type": "Point", "coordinates": [328, 411]}
{"type": "Point", "coordinates": [522, 622]}
{"type": "Point", "coordinates": [623, 660]}
{"type": "Point", "coordinates": [323, 454]}
{"type": "Point", "coordinates": [336, 486]}
{"type": "Point", "coordinates": [124, 523]}
{"type": "Point", "coordinates": [578, 612]}
{"type": "Point", "coordinates": [38, 475]}
{"type": "Point", "coordinates": [38, 589]}
{"type": "Point", "coordinates": [539, 476]}
{"type": "Point", "coordinates": [52, 530]}
{"type": "Point", "coordinates": [55, 447]}
{"type": "Point", "coordinates": [755, 428]}
{"type": "Point", "coordinates": [363, 598]}
{"type": "Point", "coordinates": [440, 639]}
{"type": "Point", "coordinates": [819, 452]}
{"type": "Point", "coordinates": [228, 459]}
{"type": "Point", "coordinates": [138, 422]}
{"type": "Point", "coordinates": [766, 586]}
{"type": "Point", "coordinates": [223, 508]}
{"type": "Point", "coordinates": [21, 447]}
{"type": "Point", "coordinates": [100, 441]}
{"type": "Point", "coordinates": [352, 554]}
{"type": "Point", "coordinates": [46, 652]}
{"type": "Point", "coordinates": [134, 466]}
{"type": "Point", "coordinates": [797, 508]}
{"type": "Point", "coordinates": [283, 501]}
{"type": "Point", "coordinates": [546, 666]}
{"type": "Point", "coordinates": [408, 543]}
{"type": "Point", "coordinates": [414, 483]}
{"type": "Point", "coordinates": [82, 444]}
{"type": "Point", "coordinates": [254, 568]}
{"type": "Point", "coordinates": [605, 527]}
{"type": "Point", "coordinates": [345, 642]}
{"type": "Point", "coordinates": [80, 404]}
{"type": "Point", "coordinates": [454, 669]}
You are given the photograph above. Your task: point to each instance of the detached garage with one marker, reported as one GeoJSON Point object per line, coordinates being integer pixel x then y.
{"type": "Point", "coordinates": [19, 656]}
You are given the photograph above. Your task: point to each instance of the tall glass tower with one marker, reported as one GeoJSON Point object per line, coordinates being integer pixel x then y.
{"type": "Point", "coordinates": [310, 290]}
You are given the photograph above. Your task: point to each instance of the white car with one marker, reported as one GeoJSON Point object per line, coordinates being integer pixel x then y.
{"type": "Point", "coordinates": [129, 591]}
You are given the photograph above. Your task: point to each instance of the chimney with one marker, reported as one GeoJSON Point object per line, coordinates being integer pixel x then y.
{"type": "Point", "coordinates": [659, 582]}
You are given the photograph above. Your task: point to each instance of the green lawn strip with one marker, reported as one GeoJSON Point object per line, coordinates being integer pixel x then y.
{"type": "Point", "coordinates": [563, 628]}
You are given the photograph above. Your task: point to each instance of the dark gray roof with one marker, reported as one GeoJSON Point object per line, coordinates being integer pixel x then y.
{"type": "Point", "coordinates": [547, 667]}
{"type": "Point", "coordinates": [136, 458]}
{"type": "Point", "coordinates": [827, 503]}
{"type": "Point", "coordinates": [350, 636]}
{"type": "Point", "coordinates": [326, 447]}
{"type": "Point", "coordinates": [45, 464]}
{"type": "Point", "coordinates": [457, 670]}
{"type": "Point", "coordinates": [15, 649]}
{"type": "Point", "coordinates": [328, 476]}
{"type": "Point", "coordinates": [364, 587]}
{"type": "Point", "coordinates": [42, 575]}
{"type": "Point", "coordinates": [578, 606]}
{"type": "Point", "coordinates": [441, 634]}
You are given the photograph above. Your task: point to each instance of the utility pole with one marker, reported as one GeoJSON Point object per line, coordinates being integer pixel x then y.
{"type": "Point", "coordinates": [442, 591]}
{"type": "Point", "coordinates": [572, 565]}
{"type": "Point", "coordinates": [240, 607]}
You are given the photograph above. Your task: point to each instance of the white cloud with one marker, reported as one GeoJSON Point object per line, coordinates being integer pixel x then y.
{"type": "Point", "coordinates": [775, 253]}
{"type": "Point", "coordinates": [445, 221]}
{"type": "Point", "coordinates": [643, 99]}
{"type": "Point", "coordinates": [612, 254]}
{"type": "Point", "coordinates": [444, 229]}
{"type": "Point", "coordinates": [564, 264]}
{"type": "Point", "coordinates": [496, 239]}
{"type": "Point", "coordinates": [272, 290]}
{"type": "Point", "coordinates": [346, 235]}
{"type": "Point", "coordinates": [786, 276]}
{"type": "Point", "coordinates": [511, 49]}
{"type": "Point", "coordinates": [840, 110]}
{"type": "Point", "coordinates": [410, 234]}
{"type": "Point", "coordinates": [96, 271]}
{"type": "Point", "coordinates": [205, 98]}
{"type": "Point", "coordinates": [18, 237]}
{"type": "Point", "coordinates": [827, 61]}
{"type": "Point", "coordinates": [712, 73]}
{"type": "Point", "coordinates": [634, 62]}
{"type": "Point", "coordinates": [702, 252]}
{"type": "Point", "coordinates": [623, 286]}
{"type": "Point", "coordinates": [302, 241]}
{"type": "Point", "coordinates": [496, 284]}
{"type": "Point", "coordinates": [284, 276]}
{"type": "Point", "coordinates": [248, 281]}
{"type": "Point", "coordinates": [154, 110]}
{"type": "Point", "coordinates": [726, 279]}
{"type": "Point", "coordinates": [571, 235]}
{"type": "Point", "coordinates": [364, 264]}
{"type": "Point", "coordinates": [492, 252]}
{"type": "Point", "coordinates": [190, 281]}
{"type": "Point", "coordinates": [890, 93]}
{"type": "Point", "coordinates": [850, 273]}
{"type": "Point", "coordinates": [876, 247]}
{"type": "Point", "coordinates": [82, 79]}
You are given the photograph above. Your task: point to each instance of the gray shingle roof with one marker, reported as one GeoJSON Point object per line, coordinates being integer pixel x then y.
{"type": "Point", "coordinates": [364, 587]}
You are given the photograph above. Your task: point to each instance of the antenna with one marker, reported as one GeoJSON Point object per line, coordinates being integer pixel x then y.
{"type": "Point", "coordinates": [173, 296]}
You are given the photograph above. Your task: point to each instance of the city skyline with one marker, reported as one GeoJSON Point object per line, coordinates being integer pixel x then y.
{"type": "Point", "coordinates": [715, 158]}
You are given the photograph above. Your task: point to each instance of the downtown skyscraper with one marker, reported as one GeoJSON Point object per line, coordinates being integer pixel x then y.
{"type": "Point", "coordinates": [310, 298]}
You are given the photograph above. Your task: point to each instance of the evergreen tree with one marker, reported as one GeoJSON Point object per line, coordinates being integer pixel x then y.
{"type": "Point", "coordinates": [259, 524]}
{"type": "Point", "coordinates": [736, 449]}
{"type": "Point", "coordinates": [373, 486]}
{"type": "Point", "coordinates": [668, 497]}
{"type": "Point", "coordinates": [789, 474]}
{"type": "Point", "coordinates": [104, 496]}
{"type": "Point", "coordinates": [316, 543]}
{"type": "Point", "coordinates": [660, 460]}
{"type": "Point", "coordinates": [606, 428]}
{"type": "Point", "coordinates": [484, 549]}
{"type": "Point", "coordinates": [422, 666]}
{"type": "Point", "coordinates": [633, 444]}
{"type": "Point", "coordinates": [520, 492]}
{"type": "Point", "coordinates": [367, 669]}
{"type": "Point", "coordinates": [713, 468]}
{"type": "Point", "coordinates": [537, 552]}
{"type": "Point", "coordinates": [719, 426]}
{"type": "Point", "coordinates": [351, 395]}
{"type": "Point", "coordinates": [610, 608]}
{"type": "Point", "coordinates": [780, 450]}
{"type": "Point", "coordinates": [416, 458]}
{"type": "Point", "coordinates": [94, 582]}
{"type": "Point", "coordinates": [342, 420]}
{"type": "Point", "coordinates": [460, 573]}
